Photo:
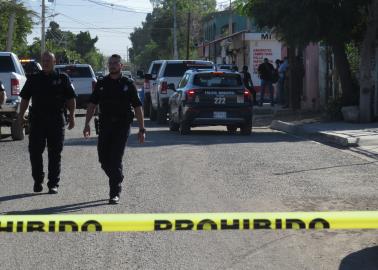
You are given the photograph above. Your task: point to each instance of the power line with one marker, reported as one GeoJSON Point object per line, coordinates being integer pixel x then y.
{"type": "Point", "coordinates": [91, 25]}
{"type": "Point", "coordinates": [117, 7]}
{"type": "Point", "coordinates": [112, 28]}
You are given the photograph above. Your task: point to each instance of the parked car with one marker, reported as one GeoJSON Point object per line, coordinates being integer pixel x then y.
{"type": "Point", "coordinates": [210, 98]}
{"type": "Point", "coordinates": [83, 79]}
{"type": "Point", "coordinates": [170, 72]}
{"type": "Point", "coordinates": [30, 66]}
{"type": "Point", "coordinates": [127, 73]}
{"type": "Point", "coordinates": [149, 80]}
{"type": "Point", "coordinates": [13, 77]}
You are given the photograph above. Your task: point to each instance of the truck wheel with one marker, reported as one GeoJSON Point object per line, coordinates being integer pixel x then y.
{"type": "Point", "coordinates": [146, 106]}
{"type": "Point", "coordinates": [231, 128]}
{"type": "Point", "coordinates": [246, 129]}
{"type": "Point", "coordinates": [17, 131]}
{"type": "Point", "coordinates": [153, 113]}
{"type": "Point", "coordinates": [161, 115]}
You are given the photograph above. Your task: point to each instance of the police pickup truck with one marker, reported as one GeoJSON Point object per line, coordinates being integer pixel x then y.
{"type": "Point", "coordinates": [83, 79]}
{"type": "Point", "coordinates": [13, 77]}
{"type": "Point", "coordinates": [170, 72]}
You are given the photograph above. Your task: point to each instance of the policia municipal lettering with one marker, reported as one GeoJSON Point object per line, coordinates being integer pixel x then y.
{"type": "Point", "coordinates": [115, 96]}
{"type": "Point", "coordinates": [51, 93]}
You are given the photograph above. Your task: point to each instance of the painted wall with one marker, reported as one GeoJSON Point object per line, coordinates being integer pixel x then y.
{"type": "Point", "coordinates": [216, 25]}
{"type": "Point", "coordinates": [261, 45]}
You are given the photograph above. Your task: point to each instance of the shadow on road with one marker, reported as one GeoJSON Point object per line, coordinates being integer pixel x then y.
{"type": "Point", "coordinates": [326, 168]}
{"type": "Point", "coordinates": [366, 259]}
{"type": "Point", "coordinates": [60, 209]}
{"type": "Point", "coordinates": [5, 138]}
{"type": "Point", "coordinates": [19, 196]}
{"type": "Point", "coordinates": [163, 137]}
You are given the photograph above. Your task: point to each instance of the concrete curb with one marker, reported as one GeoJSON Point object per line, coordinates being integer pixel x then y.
{"type": "Point", "coordinates": [299, 129]}
{"type": "Point", "coordinates": [339, 139]}
{"type": "Point", "coordinates": [287, 127]}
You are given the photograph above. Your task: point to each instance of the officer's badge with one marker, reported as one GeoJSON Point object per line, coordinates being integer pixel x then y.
{"type": "Point", "coordinates": [101, 88]}
{"type": "Point", "coordinates": [125, 88]}
{"type": "Point", "coordinates": [57, 82]}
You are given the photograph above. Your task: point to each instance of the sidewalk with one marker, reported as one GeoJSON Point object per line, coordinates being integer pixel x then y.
{"type": "Point", "coordinates": [362, 136]}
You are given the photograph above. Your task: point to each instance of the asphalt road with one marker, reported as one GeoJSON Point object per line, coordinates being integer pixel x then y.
{"type": "Point", "coordinates": [207, 171]}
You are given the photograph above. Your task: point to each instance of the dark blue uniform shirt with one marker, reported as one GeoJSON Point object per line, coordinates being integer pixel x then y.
{"type": "Point", "coordinates": [49, 92]}
{"type": "Point", "coordinates": [115, 98]}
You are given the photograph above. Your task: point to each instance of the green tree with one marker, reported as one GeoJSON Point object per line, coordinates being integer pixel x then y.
{"type": "Point", "coordinates": [67, 47]}
{"type": "Point", "coordinates": [154, 40]}
{"type": "Point", "coordinates": [22, 27]}
{"type": "Point", "coordinates": [84, 43]}
{"type": "Point", "coordinates": [299, 22]}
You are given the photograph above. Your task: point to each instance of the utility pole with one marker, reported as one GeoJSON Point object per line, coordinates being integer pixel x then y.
{"type": "Point", "coordinates": [230, 20]}
{"type": "Point", "coordinates": [12, 18]}
{"type": "Point", "coordinates": [175, 52]}
{"type": "Point", "coordinates": [187, 37]}
{"type": "Point", "coordinates": [43, 30]}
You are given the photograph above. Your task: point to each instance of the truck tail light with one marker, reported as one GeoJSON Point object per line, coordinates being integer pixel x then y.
{"type": "Point", "coordinates": [164, 87]}
{"type": "Point", "coordinates": [15, 86]}
{"type": "Point", "coordinates": [146, 84]}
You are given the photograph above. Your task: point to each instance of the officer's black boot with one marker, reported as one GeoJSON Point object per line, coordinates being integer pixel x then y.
{"type": "Point", "coordinates": [38, 184]}
{"type": "Point", "coordinates": [114, 200]}
{"type": "Point", "coordinates": [115, 191]}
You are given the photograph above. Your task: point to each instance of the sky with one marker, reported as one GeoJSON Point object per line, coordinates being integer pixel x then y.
{"type": "Point", "coordinates": [112, 25]}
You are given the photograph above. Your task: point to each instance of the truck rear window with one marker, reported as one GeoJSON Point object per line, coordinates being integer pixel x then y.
{"type": "Point", "coordinates": [155, 68]}
{"type": "Point", "coordinates": [76, 72]}
{"type": "Point", "coordinates": [6, 64]}
{"type": "Point", "coordinates": [217, 80]}
{"type": "Point", "coordinates": [178, 69]}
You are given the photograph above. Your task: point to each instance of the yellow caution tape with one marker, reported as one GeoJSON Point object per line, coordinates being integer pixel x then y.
{"type": "Point", "coordinates": [192, 221]}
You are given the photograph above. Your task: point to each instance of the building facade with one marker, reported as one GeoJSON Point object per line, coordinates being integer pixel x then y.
{"type": "Point", "coordinates": [229, 38]}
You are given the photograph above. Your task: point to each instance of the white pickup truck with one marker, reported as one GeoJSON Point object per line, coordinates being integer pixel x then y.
{"type": "Point", "coordinates": [169, 72]}
{"type": "Point", "coordinates": [13, 78]}
{"type": "Point", "coordinates": [83, 79]}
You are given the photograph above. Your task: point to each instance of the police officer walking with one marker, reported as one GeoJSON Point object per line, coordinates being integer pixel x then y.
{"type": "Point", "coordinates": [115, 95]}
{"type": "Point", "coordinates": [247, 81]}
{"type": "Point", "coordinates": [51, 92]}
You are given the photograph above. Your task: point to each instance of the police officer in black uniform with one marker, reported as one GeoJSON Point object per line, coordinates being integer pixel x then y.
{"type": "Point", "coordinates": [247, 81]}
{"type": "Point", "coordinates": [115, 95]}
{"type": "Point", "coordinates": [51, 92]}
